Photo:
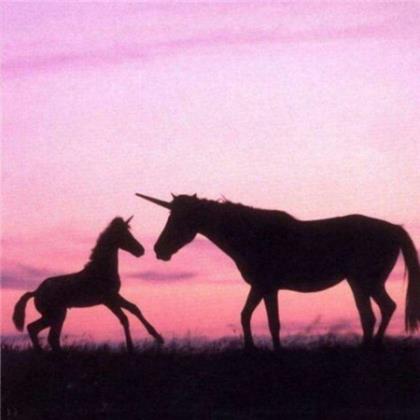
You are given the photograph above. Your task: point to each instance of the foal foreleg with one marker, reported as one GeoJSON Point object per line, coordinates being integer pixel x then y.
{"type": "Point", "coordinates": [131, 307]}
{"type": "Point", "coordinates": [254, 298]}
{"type": "Point", "coordinates": [117, 311]}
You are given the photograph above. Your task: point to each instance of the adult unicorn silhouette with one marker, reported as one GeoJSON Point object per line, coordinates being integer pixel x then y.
{"type": "Point", "coordinates": [98, 283]}
{"type": "Point", "coordinates": [273, 251]}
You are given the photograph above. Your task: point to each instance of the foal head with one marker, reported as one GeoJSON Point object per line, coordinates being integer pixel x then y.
{"type": "Point", "coordinates": [182, 225]}
{"type": "Point", "coordinates": [118, 235]}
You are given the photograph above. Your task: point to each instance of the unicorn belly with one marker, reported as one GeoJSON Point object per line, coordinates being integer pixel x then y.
{"type": "Point", "coordinates": [300, 276]}
{"type": "Point", "coordinates": [313, 284]}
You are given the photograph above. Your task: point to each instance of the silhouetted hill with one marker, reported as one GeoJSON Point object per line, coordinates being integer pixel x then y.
{"type": "Point", "coordinates": [326, 378]}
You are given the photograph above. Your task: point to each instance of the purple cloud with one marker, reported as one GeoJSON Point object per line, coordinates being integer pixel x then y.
{"type": "Point", "coordinates": [124, 52]}
{"type": "Point", "coordinates": [158, 276]}
{"type": "Point", "coordinates": [177, 29]}
{"type": "Point", "coordinates": [23, 277]}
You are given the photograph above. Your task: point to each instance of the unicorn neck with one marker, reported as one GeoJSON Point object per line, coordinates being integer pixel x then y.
{"type": "Point", "coordinates": [220, 228]}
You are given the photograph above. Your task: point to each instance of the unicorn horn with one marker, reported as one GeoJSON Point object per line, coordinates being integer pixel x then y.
{"type": "Point", "coordinates": [156, 201]}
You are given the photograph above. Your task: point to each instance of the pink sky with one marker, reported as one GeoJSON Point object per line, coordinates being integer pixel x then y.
{"type": "Point", "coordinates": [308, 108]}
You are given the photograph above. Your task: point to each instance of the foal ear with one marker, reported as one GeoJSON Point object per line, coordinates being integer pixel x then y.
{"type": "Point", "coordinates": [129, 220]}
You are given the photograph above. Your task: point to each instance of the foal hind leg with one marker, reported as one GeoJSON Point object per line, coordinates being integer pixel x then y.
{"type": "Point", "coordinates": [131, 307]}
{"type": "Point", "coordinates": [34, 329]}
{"type": "Point", "coordinates": [364, 307]}
{"type": "Point", "coordinates": [55, 331]}
{"type": "Point", "coordinates": [387, 307]}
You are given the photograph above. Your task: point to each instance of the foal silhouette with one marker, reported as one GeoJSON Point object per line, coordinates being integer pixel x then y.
{"type": "Point", "coordinates": [273, 251]}
{"type": "Point", "coordinates": [98, 283]}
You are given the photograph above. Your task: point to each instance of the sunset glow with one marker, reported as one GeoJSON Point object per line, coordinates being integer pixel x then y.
{"type": "Point", "coordinates": [308, 108]}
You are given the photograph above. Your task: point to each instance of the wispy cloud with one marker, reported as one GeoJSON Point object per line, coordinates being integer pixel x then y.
{"type": "Point", "coordinates": [178, 30]}
{"type": "Point", "coordinates": [126, 52]}
{"type": "Point", "coordinates": [23, 277]}
{"type": "Point", "coordinates": [159, 276]}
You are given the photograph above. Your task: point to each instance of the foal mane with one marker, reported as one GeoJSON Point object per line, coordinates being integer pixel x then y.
{"type": "Point", "coordinates": [105, 238]}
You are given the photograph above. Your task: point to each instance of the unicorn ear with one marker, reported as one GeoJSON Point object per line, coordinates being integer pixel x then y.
{"type": "Point", "coordinates": [129, 220]}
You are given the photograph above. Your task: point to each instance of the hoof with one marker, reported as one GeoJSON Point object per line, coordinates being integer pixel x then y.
{"type": "Point", "coordinates": [378, 344]}
{"type": "Point", "coordinates": [159, 339]}
{"type": "Point", "coordinates": [367, 346]}
{"type": "Point", "coordinates": [250, 348]}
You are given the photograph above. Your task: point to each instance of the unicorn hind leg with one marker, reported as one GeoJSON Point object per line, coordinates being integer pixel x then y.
{"type": "Point", "coordinates": [387, 307]}
{"type": "Point", "coordinates": [364, 307]}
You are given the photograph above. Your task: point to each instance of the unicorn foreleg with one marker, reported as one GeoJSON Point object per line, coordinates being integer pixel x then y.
{"type": "Point", "coordinates": [254, 298]}
{"type": "Point", "coordinates": [271, 305]}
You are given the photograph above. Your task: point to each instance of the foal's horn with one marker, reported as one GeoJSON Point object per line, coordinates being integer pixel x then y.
{"type": "Point", "coordinates": [156, 201]}
{"type": "Point", "coordinates": [129, 220]}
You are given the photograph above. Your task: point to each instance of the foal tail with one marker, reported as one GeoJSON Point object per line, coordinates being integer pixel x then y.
{"type": "Point", "coordinates": [412, 305]}
{"type": "Point", "coordinates": [19, 312]}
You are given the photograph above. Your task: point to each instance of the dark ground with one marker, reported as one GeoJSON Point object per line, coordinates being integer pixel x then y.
{"type": "Point", "coordinates": [326, 379]}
